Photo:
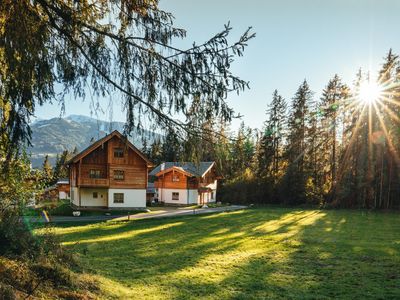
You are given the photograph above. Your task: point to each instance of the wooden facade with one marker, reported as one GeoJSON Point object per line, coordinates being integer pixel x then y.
{"type": "Point", "coordinates": [174, 178]}
{"type": "Point", "coordinates": [111, 163]}
{"type": "Point", "coordinates": [100, 168]}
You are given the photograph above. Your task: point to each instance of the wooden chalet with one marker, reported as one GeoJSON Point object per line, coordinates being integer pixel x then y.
{"type": "Point", "coordinates": [110, 173]}
{"type": "Point", "coordinates": [185, 183]}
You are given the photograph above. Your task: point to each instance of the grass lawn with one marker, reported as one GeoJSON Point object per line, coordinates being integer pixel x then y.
{"type": "Point", "coordinates": [276, 253]}
{"type": "Point", "coordinates": [63, 208]}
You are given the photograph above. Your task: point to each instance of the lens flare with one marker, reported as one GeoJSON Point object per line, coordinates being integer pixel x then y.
{"type": "Point", "coordinates": [369, 92]}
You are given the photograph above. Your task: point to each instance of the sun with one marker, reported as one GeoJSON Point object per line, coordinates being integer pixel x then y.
{"type": "Point", "coordinates": [369, 92]}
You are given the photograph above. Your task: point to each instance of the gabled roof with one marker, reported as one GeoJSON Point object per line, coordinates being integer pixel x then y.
{"type": "Point", "coordinates": [108, 137]}
{"type": "Point", "coordinates": [177, 169]}
{"type": "Point", "coordinates": [63, 181]}
{"type": "Point", "coordinates": [191, 168]}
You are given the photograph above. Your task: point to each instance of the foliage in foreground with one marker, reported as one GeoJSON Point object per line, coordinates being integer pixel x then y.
{"type": "Point", "coordinates": [31, 265]}
{"type": "Point", "coordinates": [268, 253]}
{"type": "Point", "coordinates": [107, 47]}
{"type": "Point", "coordinates": [38, 266]}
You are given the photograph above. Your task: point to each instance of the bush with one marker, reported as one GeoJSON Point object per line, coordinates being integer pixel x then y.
{"type": "Point", "coordinates": [6, 292]}
{"type": "Point", "coordinates": [15, 238]}
{"type": "Point", "coordinates": [56, 274]}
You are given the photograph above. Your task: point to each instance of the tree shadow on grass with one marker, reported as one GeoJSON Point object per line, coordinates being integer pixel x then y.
{"type": "Point", "coordinates": [156, 249]}
{"type": "Point", "coordinates": [260, 253]}
{"type": "Point", "coordinates": [342, 255]}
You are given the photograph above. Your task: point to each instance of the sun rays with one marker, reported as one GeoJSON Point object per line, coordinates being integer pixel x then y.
{"type": "Point", "coordinates": [369, 92]}
{"type": "Point", "coordinates": [374, 104]}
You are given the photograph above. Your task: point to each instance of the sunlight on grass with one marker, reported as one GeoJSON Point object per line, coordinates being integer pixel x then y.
{"type": "Point", "coordinates": [123, 235]}
{"type": "Point", "coordinates": [274, 253]}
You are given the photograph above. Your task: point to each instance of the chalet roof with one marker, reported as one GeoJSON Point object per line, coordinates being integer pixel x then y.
{"type": "Point", "coordinates": [63, 181]}
{"type": "Point", "coordinates": [195, 169]}
{"type": "Point", "coordinates": [101, 141]}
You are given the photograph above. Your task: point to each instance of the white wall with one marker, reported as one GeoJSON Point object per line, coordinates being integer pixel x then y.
{"type": "Point", "coordinates": [62, 195]}
{"type": "Point", "coordinates": [132, 198]}
{"type": "Point", "coordinates": [74, 196]}
{"type": "Point", "coordinates": [193, 196]}
{"type": "Point", "coordinates": [88, 200]}
{"type": "Point", "coordinates": [165, 195]}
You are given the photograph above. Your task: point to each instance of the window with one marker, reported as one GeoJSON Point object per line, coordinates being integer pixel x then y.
{"type": "Point", "coordinates": [212, 195]}
{"type": "Point", "coordinates": [119, 174]}
{"type": "Point", "coordinates": [175, 178]}
{"type": "Point", "coordinates": [118, 152]}
{"type": "Point", "coordinates": [118, 197]}
{"type": "Point", "coordinates": [175, 196]}
{"type": "Point", "coordinates": [95, 174]}
{"type": "Point", "coordinates": [95, 195]}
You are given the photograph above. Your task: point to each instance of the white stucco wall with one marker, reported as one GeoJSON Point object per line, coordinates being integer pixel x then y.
{"type": "Point", "coordinates": [193, 196]}
{"type": "Point", "coordinates": [132, 198]}
{"type": "Point", "coordinates": [88, 200]}
{"type": "Point", "coordinates": [74, 196]}
{"type": "Point", "coordinates": [62, 195]}
{"type": "Point", "coordinates": [165, 195]}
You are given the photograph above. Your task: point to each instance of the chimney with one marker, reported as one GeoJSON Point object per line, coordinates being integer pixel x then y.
{"type": "Point", "coordinates": [162, 166]}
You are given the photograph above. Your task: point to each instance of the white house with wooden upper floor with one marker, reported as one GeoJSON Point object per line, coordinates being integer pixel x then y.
{"type": "Point", "coordinates": [186, 182]}
{"type": "Point", "coordinates": [110, 173]}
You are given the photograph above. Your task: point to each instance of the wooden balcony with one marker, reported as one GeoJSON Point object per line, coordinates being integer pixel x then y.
{"type": "Point", "coordinates": [94, 182]}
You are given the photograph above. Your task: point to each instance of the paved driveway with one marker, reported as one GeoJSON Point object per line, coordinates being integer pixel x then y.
{"type": "Point", "coordinates": [157, 213]}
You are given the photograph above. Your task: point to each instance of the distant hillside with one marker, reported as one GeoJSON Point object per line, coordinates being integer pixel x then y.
{"type": "Point", "coordinates": [50, 137]}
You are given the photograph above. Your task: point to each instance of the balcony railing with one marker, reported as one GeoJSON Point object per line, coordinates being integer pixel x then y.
{"type": "Point", "coordinates": [99, 182]}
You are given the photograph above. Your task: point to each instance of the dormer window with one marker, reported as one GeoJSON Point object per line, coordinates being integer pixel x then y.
{"type": "Point", "coordinates": [118, 152]}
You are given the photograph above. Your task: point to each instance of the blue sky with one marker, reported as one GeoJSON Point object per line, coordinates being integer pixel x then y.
{"type": "Point", "coordinates": [296, 39]}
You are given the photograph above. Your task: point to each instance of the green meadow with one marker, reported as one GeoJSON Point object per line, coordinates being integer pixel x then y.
{"type": "Point", "coordinates": [274, 253]}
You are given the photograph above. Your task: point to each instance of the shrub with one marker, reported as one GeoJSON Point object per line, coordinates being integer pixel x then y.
{"type": "Point", "coordinates": [54, 273]}
{"type": "Point", "coordinates": [6, 292]}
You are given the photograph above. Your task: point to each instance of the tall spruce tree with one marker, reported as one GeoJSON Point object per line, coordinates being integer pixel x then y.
{"type": "Point", "coordinates": [171, 149]}
{"type": "Point", "coordinates": [47, 171]}
{"type": "Point", "coordinates": [296, 175]}
{"type": "Point", "coordinates": [155, 154]}
{"type": "Point", "coordinates": [242, 149]}
{"type": "Point", "coordinates": [333, 100]}
{"type": "Point", "coordinates": [275, 129]}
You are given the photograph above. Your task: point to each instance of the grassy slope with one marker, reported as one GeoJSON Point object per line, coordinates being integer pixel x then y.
{"type": "Point", "coordinates": [258, 253]}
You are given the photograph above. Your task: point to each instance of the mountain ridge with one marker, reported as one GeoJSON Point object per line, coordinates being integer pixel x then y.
{"type": "Point", "coordinates": [53, 136]}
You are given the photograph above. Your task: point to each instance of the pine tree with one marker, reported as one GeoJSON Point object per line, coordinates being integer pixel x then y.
{"type": "Point", "coordinates": [242, 150]}
{"type": "Point", "coordinates": [155, 154]}
{"type": "Point", "coordinates": [145, 149]}
{"type": "Point", "coordinates": [333, 98]}
{"type": "Point", "coordinates": [296, 176]}
{"type": "Point", "coordinates": [60, 168]}
{"type": "Point", "coordinates": [172, 147]}
{"type": "Point", "coordinates": [222, 150]}
{"type": "Point", "coordinates": [270, 148]}
{"type": "Point", "coordinates": [47, 171]}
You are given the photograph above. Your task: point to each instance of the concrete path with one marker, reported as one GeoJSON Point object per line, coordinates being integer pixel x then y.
{"type": "Point", "coordinates": [158, 213]}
